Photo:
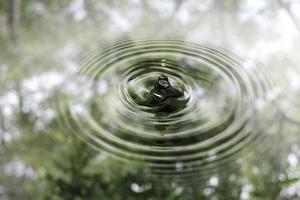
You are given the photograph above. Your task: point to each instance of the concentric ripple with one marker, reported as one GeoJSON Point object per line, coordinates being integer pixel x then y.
{"type": "Point", "coordinates": [223, 99]}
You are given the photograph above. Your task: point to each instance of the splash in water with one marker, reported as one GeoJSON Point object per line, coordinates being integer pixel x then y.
{"type": "Point", "coordinates": [168, 102]}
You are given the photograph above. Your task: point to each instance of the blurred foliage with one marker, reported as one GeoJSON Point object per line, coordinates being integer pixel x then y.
{"type": "Point", "coordinates": [40, 159]}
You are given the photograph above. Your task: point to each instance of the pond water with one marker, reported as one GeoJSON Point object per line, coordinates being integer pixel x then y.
{"type": "Point", "coordinates": [207, 109]}
{"type": "Point", "coordinates": [161, 100]}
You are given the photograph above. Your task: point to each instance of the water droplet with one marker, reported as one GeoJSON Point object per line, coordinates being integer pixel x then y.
{"type": "Point", "coordinates": [163, 62]}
